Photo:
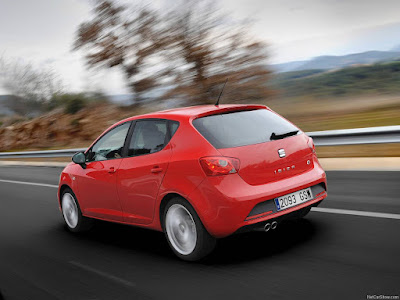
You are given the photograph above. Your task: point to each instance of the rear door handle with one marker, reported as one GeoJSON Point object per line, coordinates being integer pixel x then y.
{"type": "Point", "coordinates": [111, 170]}
{"type": "Point", "coordinates": [156, 169]}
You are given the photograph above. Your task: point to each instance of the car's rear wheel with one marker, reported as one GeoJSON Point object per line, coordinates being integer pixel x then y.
{"type": "Point", "coordinates": [185, 232]}
{"type": "Point", "coordinates": [72, 214]}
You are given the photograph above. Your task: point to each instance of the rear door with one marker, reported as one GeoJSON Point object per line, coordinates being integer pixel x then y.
{"type": "Point", "coordinates": [269, 147]}
{"type": "Point", "coordinates": [141, 173]}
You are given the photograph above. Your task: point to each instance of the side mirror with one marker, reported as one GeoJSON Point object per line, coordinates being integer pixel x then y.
{"type": "Point", "coordinates": [80, 159]}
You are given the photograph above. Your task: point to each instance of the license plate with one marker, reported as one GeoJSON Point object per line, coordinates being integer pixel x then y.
{"type": "Point", "coordinates": [293, 199]}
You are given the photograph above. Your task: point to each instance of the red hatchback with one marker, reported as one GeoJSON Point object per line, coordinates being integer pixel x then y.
{"type": "Point", "coordinates": [196, 173]}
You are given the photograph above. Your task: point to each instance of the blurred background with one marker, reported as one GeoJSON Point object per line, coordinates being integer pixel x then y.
{"type": "Point", "coordinates": [71, 68]}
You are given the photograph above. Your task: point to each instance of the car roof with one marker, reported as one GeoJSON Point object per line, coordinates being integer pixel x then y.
{"type": "Point", "coordinates": [193, 112]}
{"type": "Point", "coordinates": [187, 113]}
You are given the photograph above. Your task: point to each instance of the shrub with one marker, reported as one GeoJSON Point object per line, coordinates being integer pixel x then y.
{"type": "Point", "coordinates": [74, 105]}
{"type": "Point", "coordinates": [74, 122]}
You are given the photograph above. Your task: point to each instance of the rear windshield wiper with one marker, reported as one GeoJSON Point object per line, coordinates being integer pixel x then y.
{"type": "Point", "coordinates": [275, 136]}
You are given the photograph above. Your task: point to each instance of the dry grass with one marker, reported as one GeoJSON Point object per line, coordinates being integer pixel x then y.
{"type": "Point", "coordinates": [312, 114]}
{"type": "Point", "coordinates": [372, 150]}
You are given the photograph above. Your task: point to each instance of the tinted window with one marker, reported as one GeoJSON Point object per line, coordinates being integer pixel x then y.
{"type": "Point", "coordinates": [242, 128]}
{"type": "Point", "coordinates": [110, 145]}
{"type": "Point", "coordinates": [148, 137]}
{"type": "Point", "coordinates": [174, 127]}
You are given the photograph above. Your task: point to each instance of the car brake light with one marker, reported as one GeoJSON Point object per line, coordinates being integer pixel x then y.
{"type": "Point", "coordinates": [311, 144]}
{"type": "Point", "coordinates": [219, 165]}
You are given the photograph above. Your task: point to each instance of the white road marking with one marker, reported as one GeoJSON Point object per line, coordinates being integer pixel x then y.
{"type": "Point", "coordinates": [30, 183]}
{"type": "Point", "coordinates": [357, 213]}
{"type": "Point", "coordinates": [317, 209]}
{"type": "Point", "coordinates": [103, 274]}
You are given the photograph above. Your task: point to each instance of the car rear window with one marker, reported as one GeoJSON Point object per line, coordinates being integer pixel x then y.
{"type": "Point", "coordinates": [242, 128]}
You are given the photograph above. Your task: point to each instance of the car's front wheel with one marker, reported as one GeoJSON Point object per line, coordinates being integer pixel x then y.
{"type": "Point", "coordinates": [185, 233]}
{"type": "Point", "coordinates": [72, 214]}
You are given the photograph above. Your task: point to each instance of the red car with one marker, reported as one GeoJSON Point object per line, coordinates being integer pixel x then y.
{"type": "Point", "coordinates": [197, 174]}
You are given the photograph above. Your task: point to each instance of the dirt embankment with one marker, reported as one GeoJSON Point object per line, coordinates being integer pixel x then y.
{"type": "Point", "coordinates": [59, 130]}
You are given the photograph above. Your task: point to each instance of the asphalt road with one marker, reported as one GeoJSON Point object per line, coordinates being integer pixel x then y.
{"type": "Point", "coordinates": [325, 256]}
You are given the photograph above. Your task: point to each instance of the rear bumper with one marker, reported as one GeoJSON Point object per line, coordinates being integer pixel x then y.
{"type": "Point", "coordinates": [260, 225]}
{"type": "Point", "coordinates": [226, 203]}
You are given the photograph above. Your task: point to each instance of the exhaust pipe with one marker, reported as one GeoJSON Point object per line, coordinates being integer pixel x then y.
{"type": "Point", "coordinates": [267, 227]}
{"type": "Point", "coordinates": [274, 225]}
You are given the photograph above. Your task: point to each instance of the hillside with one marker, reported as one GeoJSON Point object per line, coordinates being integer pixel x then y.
{"type": "Point", "coordinates": [375, 79]}
{"type": "Point", "coordinates": [330, 62]}
{"type": "Point", "coordinates": [4, 110]}
{"type": "Point", "coordinates": [56, 129]}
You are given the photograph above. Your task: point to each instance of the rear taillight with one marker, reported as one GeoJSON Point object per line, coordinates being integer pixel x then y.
{"type": "Point", "coordinates": [311, 144]}
{"type": "Point", "coordinates": [219, 165]}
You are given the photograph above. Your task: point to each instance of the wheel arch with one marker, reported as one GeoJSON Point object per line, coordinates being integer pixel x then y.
{"type": "Point", "coordinates": [163, 203]}
{"type": "Point", "coordinates": [61, 190]}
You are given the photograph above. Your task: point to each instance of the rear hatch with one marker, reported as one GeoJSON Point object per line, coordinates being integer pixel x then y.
{"type": "Point", "coordinates": [269, 147]}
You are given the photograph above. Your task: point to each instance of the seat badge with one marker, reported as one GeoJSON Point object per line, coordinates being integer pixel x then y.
{"type": "Point", "coordinates": [281, 153]}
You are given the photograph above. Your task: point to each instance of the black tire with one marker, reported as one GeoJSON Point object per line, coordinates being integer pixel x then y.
{"type": "Point", "coordinates": [83, 223]}
{"type": "Point", "coordinates": [205, 243]}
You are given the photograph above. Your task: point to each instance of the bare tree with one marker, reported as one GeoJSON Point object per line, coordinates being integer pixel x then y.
{"type": "Point", "coordinates": [31, 87]}
{"type": "Point", "coordinates": [128, 38]}
{"type": "Point", "coordinates": [214, 48]}
{"type": "Point", "coordinates": [188, 51]}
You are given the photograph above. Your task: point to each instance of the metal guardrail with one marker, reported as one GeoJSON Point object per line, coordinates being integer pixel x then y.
{"type": "Point", "coordinates": [369, 135]}
{"type": "Point", "coordinates": [46, 153]}
{"type": "Point", "coordinates": [356, 136]}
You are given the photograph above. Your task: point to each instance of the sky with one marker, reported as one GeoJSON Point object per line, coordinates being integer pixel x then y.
{"type": "Point", "coordinates": [42, 32]}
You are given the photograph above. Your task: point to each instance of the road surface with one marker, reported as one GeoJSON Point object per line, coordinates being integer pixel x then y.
{"type": "Point", "coordinates": [325, 256]}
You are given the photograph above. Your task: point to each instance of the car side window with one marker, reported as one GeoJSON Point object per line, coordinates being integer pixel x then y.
{"type": "Point", "coordinates": [173, 127]}
{"type": "Point", "coordinates": [149, 136]}
{"type": "Point", "coordinates": [110, 145]}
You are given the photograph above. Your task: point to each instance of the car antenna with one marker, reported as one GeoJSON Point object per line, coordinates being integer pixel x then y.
{"type": "Point", "coordinates": [220, 94]}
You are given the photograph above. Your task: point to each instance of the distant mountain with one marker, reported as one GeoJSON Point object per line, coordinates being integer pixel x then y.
{"type": "Point", "coordinates": [4, 110]}
{"type": "Point", "coordinates": [122, 99]}
{"type": "Point", "coordinates": [396, 49]}
{"type": "Point", "coordinates": [289, 66]}
{"type": "Point", "coordinates": [375, 79]}
{"type": "Point", "coordinates": [128, 99]}
{"type": "Point", "coordinates": [329, 62]}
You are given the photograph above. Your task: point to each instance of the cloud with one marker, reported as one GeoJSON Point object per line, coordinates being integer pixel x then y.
{"type": "Point", "coordinates": [42, 31]}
